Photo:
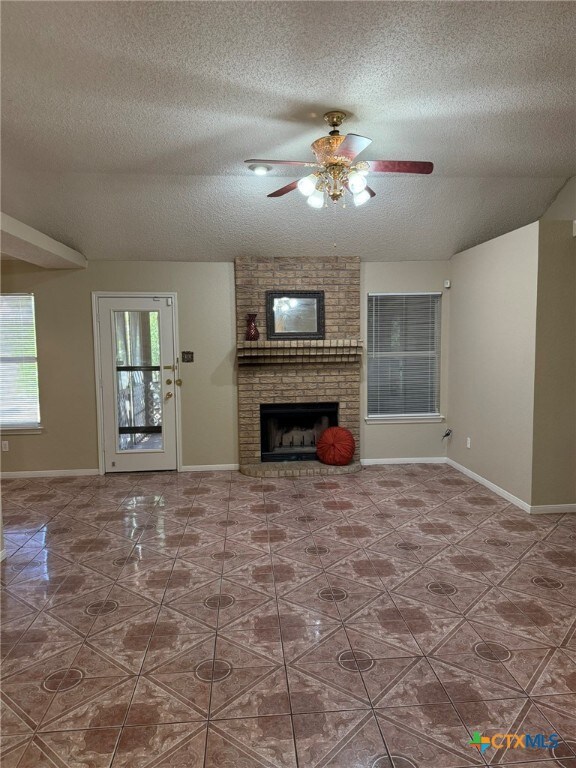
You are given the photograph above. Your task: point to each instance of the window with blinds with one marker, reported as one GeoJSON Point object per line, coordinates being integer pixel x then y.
{"type": "Point", "coordinates": [403, 354]}
{"type": "Point", "coordinates": [19, 404]}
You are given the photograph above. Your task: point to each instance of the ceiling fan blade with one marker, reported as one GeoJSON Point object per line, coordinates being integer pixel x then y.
{"type": "Point", "coordinates": [284, 190]}
{"type": "Point", "coordinates": [400, 166]}
{"type": "Point", "coordinates": [353, 145]}
{"type": "Point", "coordinates": [281, 162]}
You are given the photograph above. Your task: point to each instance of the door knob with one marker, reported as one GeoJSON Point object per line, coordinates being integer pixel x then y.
{"type": "Point", "coordinates": [168, 395]}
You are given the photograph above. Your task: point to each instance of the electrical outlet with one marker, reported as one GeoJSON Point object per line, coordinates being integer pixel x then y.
{"type": "Point", "coordinates": [468, 442]}
{"type": "Point", "coordinates": [5, 445]}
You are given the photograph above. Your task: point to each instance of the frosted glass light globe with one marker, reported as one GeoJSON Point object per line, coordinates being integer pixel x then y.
{"type": "Point", "coordinates": [361, 198]}
{"type": "Point", "coordinates": [316, 199]}
{"type": "Point", "coordinates": [356, 182]}
{"type": "Point", "coordinates": [307, 185]}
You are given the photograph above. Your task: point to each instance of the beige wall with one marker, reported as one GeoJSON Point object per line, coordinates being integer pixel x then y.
{"type": "Point", "coordinates": [206, 326]}
{"type": "Point", "coordinates": [492, 357]}
{"type": "Point", "coordinates": [554, 453]}
{"type": "Point", "coordinates": [562, 208]}
{"type": "Point", "coordinates": [494, 323]}
{"type": "Point", "coordinates": [66, 359]}
{"type": "Point", "coordinates": [407, 440]}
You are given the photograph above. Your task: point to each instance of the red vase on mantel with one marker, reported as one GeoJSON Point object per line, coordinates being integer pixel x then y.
{"type": "Point", "coordinates": [252, 332]}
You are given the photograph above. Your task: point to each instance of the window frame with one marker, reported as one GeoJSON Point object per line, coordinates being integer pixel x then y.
{"type": "Point", "coordinates": [401, 418]}
{"type": "Point", "coordinates": [29, 427]}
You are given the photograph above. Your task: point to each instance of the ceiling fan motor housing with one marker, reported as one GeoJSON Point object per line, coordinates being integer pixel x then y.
{"type": "Point", "coordinates": [326, 150]}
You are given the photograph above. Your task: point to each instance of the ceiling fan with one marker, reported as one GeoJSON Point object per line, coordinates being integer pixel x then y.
{"type": "Point", "coordinates": [335, 171]}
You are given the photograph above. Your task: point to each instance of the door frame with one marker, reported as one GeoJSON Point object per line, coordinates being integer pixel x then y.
{"type": "Point", "coordinates": [96, 295]}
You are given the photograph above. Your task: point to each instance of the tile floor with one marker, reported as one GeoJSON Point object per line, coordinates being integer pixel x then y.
{"type": "Point", "coordinates": [212, 620]}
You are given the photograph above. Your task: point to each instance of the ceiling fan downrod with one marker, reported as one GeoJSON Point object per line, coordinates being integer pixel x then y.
{"type": "Point", "coordinates": [335, 118]}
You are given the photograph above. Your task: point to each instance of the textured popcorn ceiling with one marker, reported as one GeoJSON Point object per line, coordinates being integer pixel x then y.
{"type": "Point", "coordinates": [124, 124]}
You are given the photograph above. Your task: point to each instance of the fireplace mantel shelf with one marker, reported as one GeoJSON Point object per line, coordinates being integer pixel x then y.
{"type": "Point", "coordinates": [299, 351]}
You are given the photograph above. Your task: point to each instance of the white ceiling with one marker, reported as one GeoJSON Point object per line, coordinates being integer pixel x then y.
{"type": "Point", "coordinates": [125, 124]}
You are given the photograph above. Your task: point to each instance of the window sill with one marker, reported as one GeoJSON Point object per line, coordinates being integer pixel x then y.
{"type": "Point", "coordinates": [21, 430]}
{"type": "Point", "coordinates": [432, 419]}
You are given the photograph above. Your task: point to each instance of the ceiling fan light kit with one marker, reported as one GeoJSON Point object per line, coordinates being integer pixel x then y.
{"type": "Point", "coordinates": [335, 173]}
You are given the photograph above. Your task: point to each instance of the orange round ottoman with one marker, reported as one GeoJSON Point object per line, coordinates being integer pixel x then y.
{"type": "Point", "coordinates": [336, 446]}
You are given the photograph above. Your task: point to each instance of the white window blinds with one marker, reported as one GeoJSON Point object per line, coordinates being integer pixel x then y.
{"type": "Point", "coordinates": [19, 406]}
{"type": "Point", "coordinates": [403, 354]}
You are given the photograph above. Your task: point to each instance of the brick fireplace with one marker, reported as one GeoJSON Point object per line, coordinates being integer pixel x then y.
{"type": "Point", "coordinates": [302, 371]}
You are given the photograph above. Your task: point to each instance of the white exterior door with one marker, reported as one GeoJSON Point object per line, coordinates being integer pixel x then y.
{"type": "Point", "coordinates": [137, 387]}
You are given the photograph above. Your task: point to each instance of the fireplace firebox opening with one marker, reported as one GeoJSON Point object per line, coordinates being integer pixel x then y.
{"type": "Point", "coordinates": [290, 431]}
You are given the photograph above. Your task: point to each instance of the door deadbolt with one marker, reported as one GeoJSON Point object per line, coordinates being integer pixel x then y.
{"type": "Point", "coordinates": [168, 381]}
{"type": "Point", "coordinates": [178, 382]}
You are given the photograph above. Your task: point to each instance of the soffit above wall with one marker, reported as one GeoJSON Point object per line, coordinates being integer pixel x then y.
{"type": "Point", "coordinates": [125, 124]}
{"type": "Point", "coordinates": [22, 243]}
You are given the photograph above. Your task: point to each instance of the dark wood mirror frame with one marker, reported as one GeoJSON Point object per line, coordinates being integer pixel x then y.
{"type": "Point", "coordinates": [295, 314]}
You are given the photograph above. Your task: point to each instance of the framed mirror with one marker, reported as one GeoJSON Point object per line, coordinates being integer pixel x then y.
{"type": "Point", "coordinates": [295, 314]}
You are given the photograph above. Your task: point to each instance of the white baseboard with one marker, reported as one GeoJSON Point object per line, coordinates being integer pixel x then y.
{"type": "Point", "coordinates": [210, 468]}
{"type": "Point", "coordinates": [421, 460]}
{"type": "Point", "coordinates": [553, 509]}
{"type": "Point", "coordinates": [3, 554]}
{"type": "Point", "coordinates": [81, 472]}
{"type": "Point", "coordinates": [545, 509]}
{"type": "Point", "coordinates": [491, 486]}
{"type": "Point", "coordinates": [50, 473]}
